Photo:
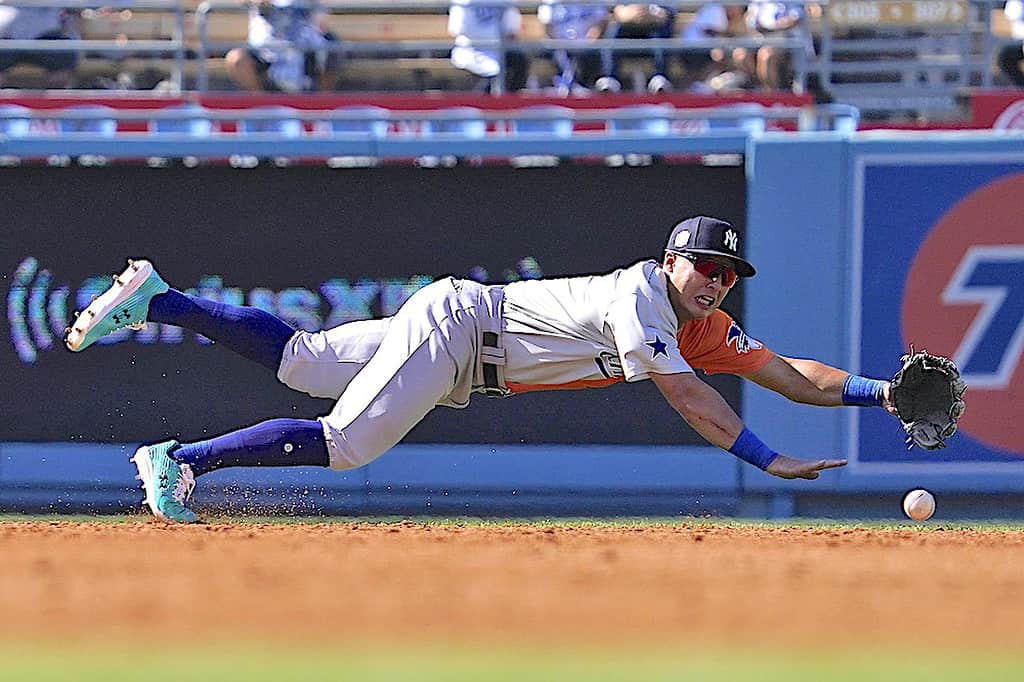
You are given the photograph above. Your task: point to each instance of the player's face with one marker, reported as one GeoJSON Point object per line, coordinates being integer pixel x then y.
{"type": "Point", "coordinates": [697, 288]}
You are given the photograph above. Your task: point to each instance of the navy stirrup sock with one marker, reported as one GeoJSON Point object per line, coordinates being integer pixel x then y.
{"type": "Point", "coordinates": [252, 333]}
{"type": "Point", "coordinates": [274, 443]}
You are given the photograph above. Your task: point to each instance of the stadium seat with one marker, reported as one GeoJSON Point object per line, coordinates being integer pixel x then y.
{"type": "Point", "coordinates": [753, 123]}
{"type": "Point", "coordinates": [15, 120]}
{"type": "Point", "coordinates": [370, 120]}
{"type": "Point", "coordinates": [645, 119]}
{"type": "Point", "coordinates": [549, 119]}
{"type": "Point", "coordinates": [283, 121]}
{"type": "Point", "coordinates": [653, 119]}
{"type": "Point", "coordinates": [280, 120]}
{"type": "Point", "coordinates": [193, 121]}
{"type": "Point", "coordinates": [102, 120]}
{"type": "Point", "coordinates": [466, 121]}
{"type": "Point", "coordinates": [367, 120]}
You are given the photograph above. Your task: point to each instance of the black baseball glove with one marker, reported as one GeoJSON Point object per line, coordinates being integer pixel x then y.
{"type": "Point", "coordinates": [928, 396]}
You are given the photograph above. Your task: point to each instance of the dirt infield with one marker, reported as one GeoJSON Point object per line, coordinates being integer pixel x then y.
{"type": "Point", "coordinates": [593, 582]}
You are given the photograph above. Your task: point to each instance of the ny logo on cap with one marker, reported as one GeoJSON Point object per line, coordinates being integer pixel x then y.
{"type": "Point", "coordinates": [682, 239]}
{"type": "Point", "coordinates": [731, 239]}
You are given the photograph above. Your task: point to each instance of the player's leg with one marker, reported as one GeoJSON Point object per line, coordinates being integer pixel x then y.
{"type": "Point", "coordinates": [412, 371]}
{"type": "Point", "coordinates": [139, 294]}
{"type": "Point", "coordinates": [425, 358]}
{"type": "Point", "coordinates": [322, 364]}
{"type": "Point", "coordinates": [252, 333]}
{"type": "Point", "coordinates": [168, 469]}
{"type": "Point", "coordinates": [399, 386]}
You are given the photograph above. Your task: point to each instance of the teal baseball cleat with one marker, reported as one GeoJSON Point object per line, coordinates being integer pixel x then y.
{"type": "Point", "coordinates": [167, 483]}
{"type": "Point", "coordinates": [124, 304]}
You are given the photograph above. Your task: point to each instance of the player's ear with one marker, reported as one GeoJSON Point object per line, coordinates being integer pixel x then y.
{"type": "Point", "coordinates": [670, 261]}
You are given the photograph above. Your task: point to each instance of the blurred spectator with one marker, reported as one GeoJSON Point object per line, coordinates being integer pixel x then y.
{"type": "Point", "coordinates": [41, 23]}
{"type": "Point", "coordinates": [726, 69]}
{"type": "Point", "coordinates": [561, 21]}
{"type": "Point", "coordinates": [286, 49]}
{"type": "Point", "coordinates": [779, 19]}
{"type": "Point", "coordinates": [477, 20]}
{"type": "Point", "coordinates": [1011, 57]}
{"type": "Point", "coordinates": [637, 21]}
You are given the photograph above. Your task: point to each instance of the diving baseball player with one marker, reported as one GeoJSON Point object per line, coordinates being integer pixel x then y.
{"type": "Point", "coordinates": [652, 320]}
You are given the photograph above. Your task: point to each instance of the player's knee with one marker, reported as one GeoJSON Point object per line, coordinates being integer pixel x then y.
{"type": "Point", "coordinates": [344, 453]}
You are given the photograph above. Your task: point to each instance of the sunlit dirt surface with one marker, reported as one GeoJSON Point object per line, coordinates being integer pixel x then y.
{"type": "Point", "coordinates": [588, 582]}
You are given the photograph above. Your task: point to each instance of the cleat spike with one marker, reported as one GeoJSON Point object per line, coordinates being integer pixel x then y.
{"type": "Point", "coordinates": [76, 313]}
{"type": "Point", "coordinates": [67, 330]}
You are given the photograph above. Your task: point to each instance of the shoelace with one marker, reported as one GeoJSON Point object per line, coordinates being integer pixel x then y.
{"type": "Point", "coordinates": [185, 484]}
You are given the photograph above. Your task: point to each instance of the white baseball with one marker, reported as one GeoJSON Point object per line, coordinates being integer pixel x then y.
{"type": "Point", "coordinates": [919, 505]}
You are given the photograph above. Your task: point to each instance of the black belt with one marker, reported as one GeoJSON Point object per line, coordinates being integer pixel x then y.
{"type": "Point", "coordinates": [491, 385]}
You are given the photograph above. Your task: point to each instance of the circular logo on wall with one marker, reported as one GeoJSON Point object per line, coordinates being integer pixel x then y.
{"type": "Point", "coordinates": [965, 299]}
{"type": "Point", "coordinates": [1011, 118]}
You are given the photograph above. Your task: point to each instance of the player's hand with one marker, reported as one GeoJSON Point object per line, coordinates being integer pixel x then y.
{"type": "Point", "coordinates": [887, 402]}
{"type": "Point", "coordinates": [790, 467]}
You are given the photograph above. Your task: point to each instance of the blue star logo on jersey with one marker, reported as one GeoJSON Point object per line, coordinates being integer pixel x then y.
{"type": "Point", "coordinates": [658, 347]}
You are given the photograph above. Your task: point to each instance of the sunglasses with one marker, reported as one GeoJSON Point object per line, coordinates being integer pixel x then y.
{"type": "Point", "coordinates": [712, 269]}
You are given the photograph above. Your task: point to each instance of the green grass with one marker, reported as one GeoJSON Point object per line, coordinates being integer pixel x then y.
{"type": "Point", "coordinates": [183, 663]}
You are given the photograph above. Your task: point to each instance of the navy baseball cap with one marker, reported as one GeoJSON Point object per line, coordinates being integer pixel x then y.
{"type": "Point", "coordinates": [711, 236]}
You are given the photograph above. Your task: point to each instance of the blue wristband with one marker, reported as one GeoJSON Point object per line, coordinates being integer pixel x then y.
{"type": "Point", "coordinates": [752, 449]}
{"type": "Point", "coordinates": [858, 390]}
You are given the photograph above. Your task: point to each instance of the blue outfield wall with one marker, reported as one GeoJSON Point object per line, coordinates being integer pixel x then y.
{"type": "Point", "coordinates": [864, 244]}
{"type": "Point", "coordinates": [871, 243]}
{"type": "Point", "coordinates": [468, 480]}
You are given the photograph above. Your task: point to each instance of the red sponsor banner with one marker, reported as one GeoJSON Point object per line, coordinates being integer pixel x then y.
{"type": "Point", "coordinates": [999, 109]}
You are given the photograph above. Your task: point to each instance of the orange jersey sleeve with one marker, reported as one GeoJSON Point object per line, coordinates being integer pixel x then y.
{"type": "Point", "coordinates": [717, 344]}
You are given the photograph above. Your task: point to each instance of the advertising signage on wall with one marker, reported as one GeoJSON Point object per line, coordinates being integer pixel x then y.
{"type": "Point", "coordinates": [318, 248]}
{"type": "Point", "coordinates": [939, 264]}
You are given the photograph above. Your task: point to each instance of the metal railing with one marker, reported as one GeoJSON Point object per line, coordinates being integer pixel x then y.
{"type": "Point", "coordinates": [175, 45]}
{"type": "Point", "coordinates": [591, 132]}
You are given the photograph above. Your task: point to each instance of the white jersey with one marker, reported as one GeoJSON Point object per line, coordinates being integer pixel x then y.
{"type": "Point", "coordinates": [590, 331]}
{"type": "Point", "coordinates": [284, 21]}
{"type": "Point", "coordinates": [1014, 11]}
{"type": "Point", "coordinates": [26, 23]}
{"type": "Point", "coordinates": [481, 20]}
{"type": "Point", "coordinates": [570, 22]}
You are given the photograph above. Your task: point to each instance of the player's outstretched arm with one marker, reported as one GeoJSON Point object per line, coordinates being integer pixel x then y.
{"type": "Point", "coordinates": [706, 411]}
{"type": "Point", "coordinates": [815, 383]}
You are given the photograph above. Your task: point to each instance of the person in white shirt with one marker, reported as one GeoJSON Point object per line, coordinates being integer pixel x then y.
{"type": "Point", "coordinates": [472, 21]}
{"type": "Point", "coordinates": [286, 51]}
